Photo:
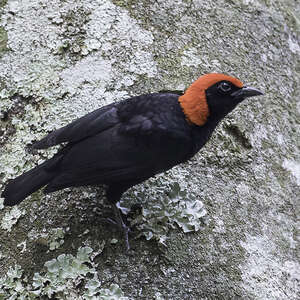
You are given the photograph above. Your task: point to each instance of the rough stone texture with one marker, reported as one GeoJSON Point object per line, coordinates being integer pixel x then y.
{"type": "Point", "coordinates": [62, 59]}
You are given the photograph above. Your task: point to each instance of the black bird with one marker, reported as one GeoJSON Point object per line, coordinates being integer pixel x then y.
{"type": "Point", "coordinates": [125, 143]}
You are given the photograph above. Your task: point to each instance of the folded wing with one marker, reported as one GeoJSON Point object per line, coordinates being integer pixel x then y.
{"type": "Point", "coordinates": [89, 125]}
{"type": "Point", "coordinates": [128, 147]}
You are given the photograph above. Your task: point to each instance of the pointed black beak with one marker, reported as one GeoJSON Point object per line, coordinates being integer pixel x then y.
{"type": "Point", "coordinates": [246, 92]}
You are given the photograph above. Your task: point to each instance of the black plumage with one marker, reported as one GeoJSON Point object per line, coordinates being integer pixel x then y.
{"type": "Point", "coordinates": [119, 145]}
{"type": "Point", "coordinates": [125, 143]}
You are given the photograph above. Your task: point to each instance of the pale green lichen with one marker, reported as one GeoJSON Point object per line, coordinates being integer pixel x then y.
{"type": "Point", "coordinates": [53, 238]}
{"type": "Point", "coordinates": [178, 208]}
{"type": "Point", "coordinates": [11, 218]}
{"type": "Point", "coordinates": [56, 238]}
{"type": "Point", "coordinates": [65, 277]}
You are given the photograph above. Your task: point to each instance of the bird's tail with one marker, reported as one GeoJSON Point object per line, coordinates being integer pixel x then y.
{"type": "Point", "coordinates": [19, 188]}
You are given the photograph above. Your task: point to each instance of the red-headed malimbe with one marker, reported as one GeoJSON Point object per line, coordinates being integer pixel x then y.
{"type": "Point", "coordinates": [125, 143]}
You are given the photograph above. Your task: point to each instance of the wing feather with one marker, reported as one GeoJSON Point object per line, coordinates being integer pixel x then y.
{"type": "Point", "coordinates": [127, 142]}
{"type": "Point", "coordinates": [89, 125]}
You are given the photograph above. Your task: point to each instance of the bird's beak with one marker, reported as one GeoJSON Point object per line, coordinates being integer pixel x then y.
{"type": "Point", "coordinates": [246, 92]}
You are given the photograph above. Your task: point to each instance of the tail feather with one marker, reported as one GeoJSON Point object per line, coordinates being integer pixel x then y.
{"type": "Point", "coordinates": [24, 185]}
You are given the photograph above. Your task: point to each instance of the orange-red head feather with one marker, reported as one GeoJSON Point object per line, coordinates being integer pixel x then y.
{"type": "Point", "coordinates": [194, 103]}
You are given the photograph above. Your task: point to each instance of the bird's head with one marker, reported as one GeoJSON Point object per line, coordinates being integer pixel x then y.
{"type": "Point", "coordinates": [213, 96]}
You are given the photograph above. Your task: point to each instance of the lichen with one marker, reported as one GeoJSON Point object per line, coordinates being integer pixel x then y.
{"type": "Point", "coordinates": [178, 208]}
{"type": "Point", "coordinates": [57, 238]}
{"type": "Point", "coordinates": [52, 238]}
{"type": "Point", "coordinates": [11, 218]}
{"type": "Point", "coordinates": [65, 277]}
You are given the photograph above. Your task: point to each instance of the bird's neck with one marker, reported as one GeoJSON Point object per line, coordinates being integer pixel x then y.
{"type": "Point", "coordinates": [201, 134]}
{"type": "Point", "coordinates": [194, 105]}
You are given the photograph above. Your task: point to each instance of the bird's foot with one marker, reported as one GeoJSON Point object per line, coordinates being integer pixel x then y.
{"type": "Point", "coordinates": [122, 226]}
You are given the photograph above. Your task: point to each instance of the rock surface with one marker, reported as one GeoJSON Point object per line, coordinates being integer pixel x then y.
{"type": "Point", "coordinates": [62, 59]}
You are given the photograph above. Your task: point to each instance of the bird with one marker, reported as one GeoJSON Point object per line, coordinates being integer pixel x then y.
{"type": "Point", "coordinates": [126, 142]}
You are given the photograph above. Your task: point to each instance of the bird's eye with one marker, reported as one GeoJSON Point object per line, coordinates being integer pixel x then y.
{"type": "Point", "coordinates": [225, 87]}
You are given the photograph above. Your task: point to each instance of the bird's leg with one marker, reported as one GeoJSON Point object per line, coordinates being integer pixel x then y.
{"type": "Point", "coordinates": [114, 194]}
{"type": "Point", "coordinates": [124, 228]}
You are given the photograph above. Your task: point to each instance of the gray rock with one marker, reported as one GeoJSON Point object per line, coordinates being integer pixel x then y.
{"type": "Point", "coordinates": [62, 59]}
